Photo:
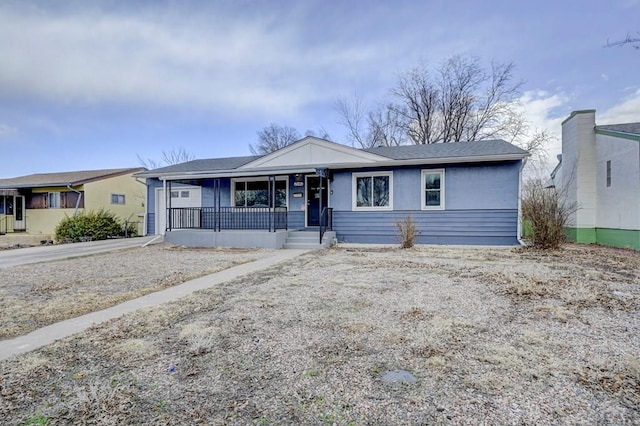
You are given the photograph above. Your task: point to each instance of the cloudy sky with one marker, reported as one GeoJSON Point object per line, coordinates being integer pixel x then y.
{"type": "Point", "coordinates": [87, 85]}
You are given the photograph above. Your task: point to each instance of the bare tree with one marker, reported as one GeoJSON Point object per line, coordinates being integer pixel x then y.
{"type": "Point", "coordinates": [462, 102]}
{"type": "Point", "coordinates": [457, 101]}
{"type": "Point", "coordinates": [274, 137]}
{"type": "Point", "coordinates": [352, 116]}
{"type": "Point", "coordinates": [175, 156]}
{"type": "Point", "coordinates": [633, 41]}
{"type": "Point", "coordinates": [380, 127]}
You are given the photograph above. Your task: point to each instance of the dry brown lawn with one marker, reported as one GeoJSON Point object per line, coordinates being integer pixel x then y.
{"type": "Point", "coordinates": [495, 336]}
{"type": "Point", "coordinates": [36, 295]}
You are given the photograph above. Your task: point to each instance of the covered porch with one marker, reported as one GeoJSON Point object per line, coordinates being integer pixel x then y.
{"type": "Point", "coordinates": [244, 211]}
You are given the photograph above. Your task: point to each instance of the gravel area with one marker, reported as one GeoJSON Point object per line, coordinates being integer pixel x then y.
{"type": "Point", "coordinates": [492, 336]}
{"type": "Point", "coordinates": [33, 296]}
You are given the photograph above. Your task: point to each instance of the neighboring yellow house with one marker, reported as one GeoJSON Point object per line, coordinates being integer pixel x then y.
{"type": "Point", "coordinates": [35, 204]}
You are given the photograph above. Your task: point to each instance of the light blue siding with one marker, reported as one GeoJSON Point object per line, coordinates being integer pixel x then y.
{"type": "Point", "coordinates": [470, 186]}
{"type": "Point", "coordinates": [481, 206]}
{"type": "Point", "coordinates": [434, 227]}
{"type": "Point", "coordinates": [296, 220]}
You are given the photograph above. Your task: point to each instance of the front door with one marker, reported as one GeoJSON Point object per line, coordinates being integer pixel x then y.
{"type": "Point", "coordinates": [19, 217]}
{"type": "Point", "coordinates": [316, 199]}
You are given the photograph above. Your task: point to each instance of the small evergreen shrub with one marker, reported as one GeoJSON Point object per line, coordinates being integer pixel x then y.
{"type": "Point", "coordinates": [407, 232]}
{"type": "Point", "coordinates": [92, 225]}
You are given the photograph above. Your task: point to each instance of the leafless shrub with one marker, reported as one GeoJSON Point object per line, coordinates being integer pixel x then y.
{"type": "Point", "coordinates": [547, 212]}
{"type": "Point", "coordinates": [407, 232]}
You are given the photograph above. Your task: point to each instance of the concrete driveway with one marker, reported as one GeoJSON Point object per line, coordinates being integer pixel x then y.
{"type": "Point", "coordinates": [24, 256]}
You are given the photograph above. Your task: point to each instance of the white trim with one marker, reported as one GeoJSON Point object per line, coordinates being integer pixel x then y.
{"type": "Point", "coordinates": [423, 195]}
{"type": "Point", "coordinates": [354, 191]}
{"type": "Point", "coordinates": [232, 187]}
{"type": "Point", "coordinates": [364, 156]}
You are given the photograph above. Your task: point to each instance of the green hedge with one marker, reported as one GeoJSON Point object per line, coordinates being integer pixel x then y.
{"type": "Point", "coordinates": [91, 225]}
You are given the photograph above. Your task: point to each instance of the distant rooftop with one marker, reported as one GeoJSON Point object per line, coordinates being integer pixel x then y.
{"type": "Point", "coordinates": [630, 128]}
{"type": "Point", "coordinates": [63, 178]}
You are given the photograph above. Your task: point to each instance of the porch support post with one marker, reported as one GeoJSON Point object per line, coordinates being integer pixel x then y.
{"type": "Point", "coordinates": [216, 205]}
{"type": "Point", "coordinates": [169, 215]}
{"type": "Point", "coordinates": [272, 196]}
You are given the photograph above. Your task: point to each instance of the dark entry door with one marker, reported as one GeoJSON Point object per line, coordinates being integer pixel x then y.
{"type": "Point", "coordinates": [314, 194]}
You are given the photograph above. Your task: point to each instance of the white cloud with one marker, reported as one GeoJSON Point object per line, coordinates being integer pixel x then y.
{"type": "Point", "coordinates": [628, 111]}
{"type": "Point", "coordinates": [7, 130]}
{"type": "Point", "coordinates": [540, 109]}
{"type": "Point", "coordinates": [222, 63]}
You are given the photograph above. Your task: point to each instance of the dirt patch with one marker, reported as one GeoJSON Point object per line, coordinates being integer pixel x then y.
{"type": "Point", "coordinates": [492, 336]}
{"type": "Point", "coordinates": [33, 296]}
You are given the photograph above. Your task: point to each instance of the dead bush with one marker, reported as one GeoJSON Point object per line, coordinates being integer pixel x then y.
{"type": "Point", "coordinates": [546, 213]}
{"type": "Point", "coordinates": [407, 232]}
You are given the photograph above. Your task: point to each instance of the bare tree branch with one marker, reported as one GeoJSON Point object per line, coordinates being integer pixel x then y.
{"type": "Point", "coordinates": [175, 156]}
{"type": "Point", "coordinates": [351, 116]}
{"type": "Point", "coordinates": [272, 138]}
{"type": "Point", "coordinates": [634, 41]}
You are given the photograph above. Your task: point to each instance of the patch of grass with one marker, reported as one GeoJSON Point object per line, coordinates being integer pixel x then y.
{"type": "Point", "coordinates": [37, 420]}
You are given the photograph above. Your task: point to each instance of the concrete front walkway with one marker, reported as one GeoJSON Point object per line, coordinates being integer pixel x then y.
{"type": "Point", "coordinates": [51, 333]}
{"type": "Point", "coordinates": [23, 256]}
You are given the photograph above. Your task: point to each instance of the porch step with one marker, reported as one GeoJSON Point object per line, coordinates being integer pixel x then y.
{"type": "Point", "coordinates": [308, 240]}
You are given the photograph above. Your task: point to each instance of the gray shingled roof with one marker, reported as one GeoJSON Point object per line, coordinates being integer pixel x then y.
{"type": "Point", "coordinates": [63, 178]}
{"type": "Point", "coordinates": [203, 165]}
{"type": "Point", "coordinates": [448, 150]}
{"type": "Point", "coordinates": [632, 128]}
{"type": "Point", "coordinates": [408, 152]}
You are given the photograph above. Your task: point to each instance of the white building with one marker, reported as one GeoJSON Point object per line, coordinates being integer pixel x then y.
{"type": "Point", "coordinates": [600, 171]}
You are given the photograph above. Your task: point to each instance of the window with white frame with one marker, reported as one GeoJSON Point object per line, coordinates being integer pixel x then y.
{"type": "Point", "coordinates": [117, 199]}
{"type": "Point", "coordinates": [372, 191]}
{"type": "Point", "coordinates": [54, 200]}
{"type": "Point", "coordinates": [255, 193]}
{"type": "Point", "coordinates": [185, 194]}
{"type": "Point", "coordinates": [433, 189]}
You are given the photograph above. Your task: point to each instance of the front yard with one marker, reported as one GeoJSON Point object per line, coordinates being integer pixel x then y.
{"type": "Point", "coordinates": [491, 336]}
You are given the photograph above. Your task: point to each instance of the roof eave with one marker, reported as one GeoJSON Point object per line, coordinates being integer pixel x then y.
{"type": "Point", "coordinates": [312, 168]}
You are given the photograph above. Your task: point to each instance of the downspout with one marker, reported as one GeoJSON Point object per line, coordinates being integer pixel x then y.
{"type": "Point", "coordinates": [75, 212]}
{"type": "Point", "coordinates": [519, 225]}
{"type": "Point", "coordinates": [146, 204]}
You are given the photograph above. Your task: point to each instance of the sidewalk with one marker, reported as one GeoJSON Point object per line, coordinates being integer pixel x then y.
{"type": "Point", "coordinates": [23, 256]}
{"type": "Point", "coordinates": [60, 330]}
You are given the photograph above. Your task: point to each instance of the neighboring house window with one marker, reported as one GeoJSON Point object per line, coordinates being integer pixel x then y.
{"type": "Point", "coordinates": [174, 194]}
{"type": "Point", "coordinates": [62, 200]}
{"type": "Point", "coordinates": [54, 200]}
{"type": "Point", "coordinates": [608, 173]}
{"type": "Point", "coordinates": [255, 193]}
{"type": "Point", "coordinates": [117, 199]}
{"type": "Point", "coordinates": [433, 189]}
{"type": "Point", "coordinates": [372, 191]}
{"type": "Point", "coordinates": [184, 194]}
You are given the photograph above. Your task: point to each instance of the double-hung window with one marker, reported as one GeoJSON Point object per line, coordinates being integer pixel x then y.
{"type": "Point", "coordinates": [433, 189]}
{"type": "Point", "coordinates": [372, 191]}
